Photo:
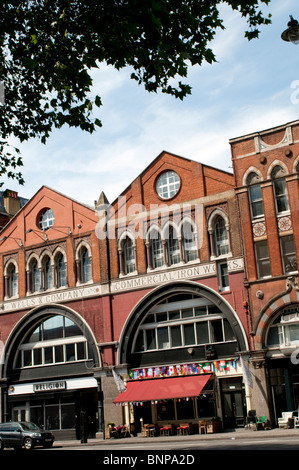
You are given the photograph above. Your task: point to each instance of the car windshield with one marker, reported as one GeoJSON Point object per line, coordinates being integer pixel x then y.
{"type": "Point", "coordinates": [30, 426]}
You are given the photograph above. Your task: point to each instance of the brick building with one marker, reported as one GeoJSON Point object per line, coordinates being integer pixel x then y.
{"type": "Point", "coordinates": [50, 320]}
{"type": "Point", "coordinates": [177, 306]}
{"type": "Point", "coordinates": [266, 167]}
{"type": "Point", "coordinates": [149, 288]}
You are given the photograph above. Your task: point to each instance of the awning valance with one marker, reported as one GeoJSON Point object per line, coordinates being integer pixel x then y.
{"type": "Point", "coordinates": [163, 389]}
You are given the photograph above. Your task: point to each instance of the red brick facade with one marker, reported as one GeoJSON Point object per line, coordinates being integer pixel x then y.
{"type": "Point", "coordinates": [272, 156]}
{"type": "Point", "coordinates": [100, 269]}
{"type": "Point", "coordinates": [188, 268]}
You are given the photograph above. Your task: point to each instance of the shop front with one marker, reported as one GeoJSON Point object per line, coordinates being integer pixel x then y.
{"type": "Point", "coordinates": [182, 343]}
{"type": "Point", "coordinates": [50, 374]}
{"type": "Point", "coordinates": [282, 360]}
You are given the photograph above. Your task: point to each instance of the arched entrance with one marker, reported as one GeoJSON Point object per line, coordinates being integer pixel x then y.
{"type": "Point", "coordinates": [48, 375]}
{"type": "Point", "coordinates": [186, 328]}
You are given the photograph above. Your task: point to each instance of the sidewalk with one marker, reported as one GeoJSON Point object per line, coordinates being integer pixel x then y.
{"type": "Point", "coordinates": [232, 434]}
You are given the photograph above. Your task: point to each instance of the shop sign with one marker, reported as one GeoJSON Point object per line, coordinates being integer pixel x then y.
{"type": "Point", "coordinates": [190, 272]}
{"type": "Point", "coordinates": [49, 386]}
{"type": "Point", "coordinates": [64, 296]}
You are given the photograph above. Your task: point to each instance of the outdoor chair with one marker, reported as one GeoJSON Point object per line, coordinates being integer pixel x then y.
{"type": "Point", "coordinates": [261, 422]}
{"type": "Point", "coordinates": [284, 419]}
{"type": "Point", "coordinates": [251, 419]}
{"type": "Point", "coordinates": [184, 428]}
{"type": "Point", "coordinates": [166, 430]}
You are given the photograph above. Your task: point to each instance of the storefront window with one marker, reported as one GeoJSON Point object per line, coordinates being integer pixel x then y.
{"type": "Point", "coordinates": [185, 409]}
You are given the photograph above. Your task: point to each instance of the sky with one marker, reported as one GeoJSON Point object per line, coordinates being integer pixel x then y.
{"type": "Point", "coordinates": [253, 86]}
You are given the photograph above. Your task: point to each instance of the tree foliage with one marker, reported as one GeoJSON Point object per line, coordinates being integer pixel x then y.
{"type": "Point", "coordinates": [49, 47]}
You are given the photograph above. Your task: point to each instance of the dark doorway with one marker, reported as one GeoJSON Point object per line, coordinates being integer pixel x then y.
{"type": "Point", "coordinates": [233, 403]}
{"type": "Point", "coordinates": [143, 412]}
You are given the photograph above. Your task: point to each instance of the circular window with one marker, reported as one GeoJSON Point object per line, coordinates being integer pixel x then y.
{"type": "Point", "coordinates": [168, 184]}
{"type": "Point", "coordinates": [46, 219]}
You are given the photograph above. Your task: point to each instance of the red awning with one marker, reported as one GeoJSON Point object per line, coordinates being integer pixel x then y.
{"type": "Point", "coordinates": [163, 389]}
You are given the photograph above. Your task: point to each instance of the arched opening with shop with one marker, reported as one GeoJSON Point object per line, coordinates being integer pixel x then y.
{"type": "Point", "coordinates": [179, 330]}
{"type": "Point", "coordinates": [49, 373]}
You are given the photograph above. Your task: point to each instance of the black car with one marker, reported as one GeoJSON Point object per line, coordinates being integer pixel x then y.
{"type": "Point", "coordinates": [24, 434]}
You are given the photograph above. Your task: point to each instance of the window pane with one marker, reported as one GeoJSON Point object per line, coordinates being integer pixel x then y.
{"type": "Point", "coordinates": [176, 337]}
{"type": "Point", "coordinates": [216, 331]}
{"type": "Point", "coordinates": [49, 275]}
{"type": "Point", "coordinates": [291, 333]}
{"type": "Point", "coordinates": [37, 356]}
{"type": "Point", "coordinates": [281, 195]}
{"type": "Point", "coordinates": [151, 339]}
{"type": "Point", "coordinates": [129, 255]}
{"type": "Point", "coordinates": [81, 351]}
{"type": "Point", "coordinates": [161, 316]}
{"type": "Point", "coordinates": [163, 338]}
{"type": "Point", "coordinates": [201, 311]}
{"type": "Point", "coordinates": [174, 248]}
{"type": "Point", "coordinates": [52, 417]}
{"type": "Point", "coordinates": [228, 331]}
{"type": "Point", "coordinates": [288, 254]}
{"type": "Point", "coordinates": [189, 334]}
{"type": "Point", "coordinates": [27, 361]}
{"type": "Point", "coordinates": [187, 313]}
{"type": "Point", "coordinates": [223, 277]}
{"type": "Point", "coordinates": [86, 266]}
{"type": "Point", "coordinates": [140, 341]}
{"type": "Point", "coordinates": [68, 416]}
{"type": "Point", "coordinates": [202, 332]}
{"type": "Point", "coordinates": [35, 336]}
{"type": "Point", "coordinates": [71, 329]}
{"type": "Point", "coordinates": [48, 352]}
{"type": "Point", "coordinates": [61, 271]}
{"type": "Point", "coordinates": [53, 328]}
{"type": "Point", "coordinates": [175, 315]}
{"type": "Point", "coordinates": [262, 259]}
{"type": "Point", "coordinates": [256, 201]}
{"type": "Point", "coordinates": [190, 244]}
{"type": "Point", "coordinates": [58, 350]}
{"type": "Point", "coordinates": [69, 352]}
{"type": "Point", "coordinates": [157, 249]}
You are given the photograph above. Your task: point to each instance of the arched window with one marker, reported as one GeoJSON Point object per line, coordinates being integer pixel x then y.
{"type": "Point", "coordinates": [48, 273]}
{"type": "Point", "coordinates": [284, 330]}
{"type": "Point", "coordinates": [173, 246]}
{"type": "Point", "coordinates": [255, 195]}
{"type": "Point", "coordinates": [156, 249]}
{"type": "Point", "coordinates": [34, 276]}
{"type": "Point", "coordinates": [11, 281]}
{"type": "Point", "coordinates": [57, 339]}
{"type": "Point", "coordinates": [84, 265]}
{"type": "Point", "coordinates": [220, 236]}
{"type": "Point", "coordinates": [280, 189]}
{"type": "Point", "coordinates": [60, 270]}
{"type": "Point", "coordinates": [183, 321]}
{"type": "Point", "coordinates": [128, 253]}
{"type": "Point", "coordinates": [189, 241]}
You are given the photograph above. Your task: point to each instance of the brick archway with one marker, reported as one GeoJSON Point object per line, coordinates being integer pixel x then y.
{"type": "Point", "coordinates": [287, 297]}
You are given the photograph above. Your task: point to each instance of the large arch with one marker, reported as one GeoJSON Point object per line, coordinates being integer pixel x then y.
{"type": "Point", "coordinates": [156, 295]}
{"type": "Point", "coordinates": [34, 317]}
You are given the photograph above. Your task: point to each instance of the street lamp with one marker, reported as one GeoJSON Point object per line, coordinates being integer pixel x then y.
{"type": "Point", "coordinates": [292, 33]}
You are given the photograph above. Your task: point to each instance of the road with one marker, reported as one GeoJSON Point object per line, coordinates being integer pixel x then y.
{"type": "Point", "coordinates": [271, 443]}
{"type": "Point", "coordinates": [260, 450]}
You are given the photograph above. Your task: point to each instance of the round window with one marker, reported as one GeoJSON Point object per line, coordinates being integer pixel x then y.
{"type": "Point", "coordinates": [167, 184]}
{"type": "Point", "coordinates": [46, 219]}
